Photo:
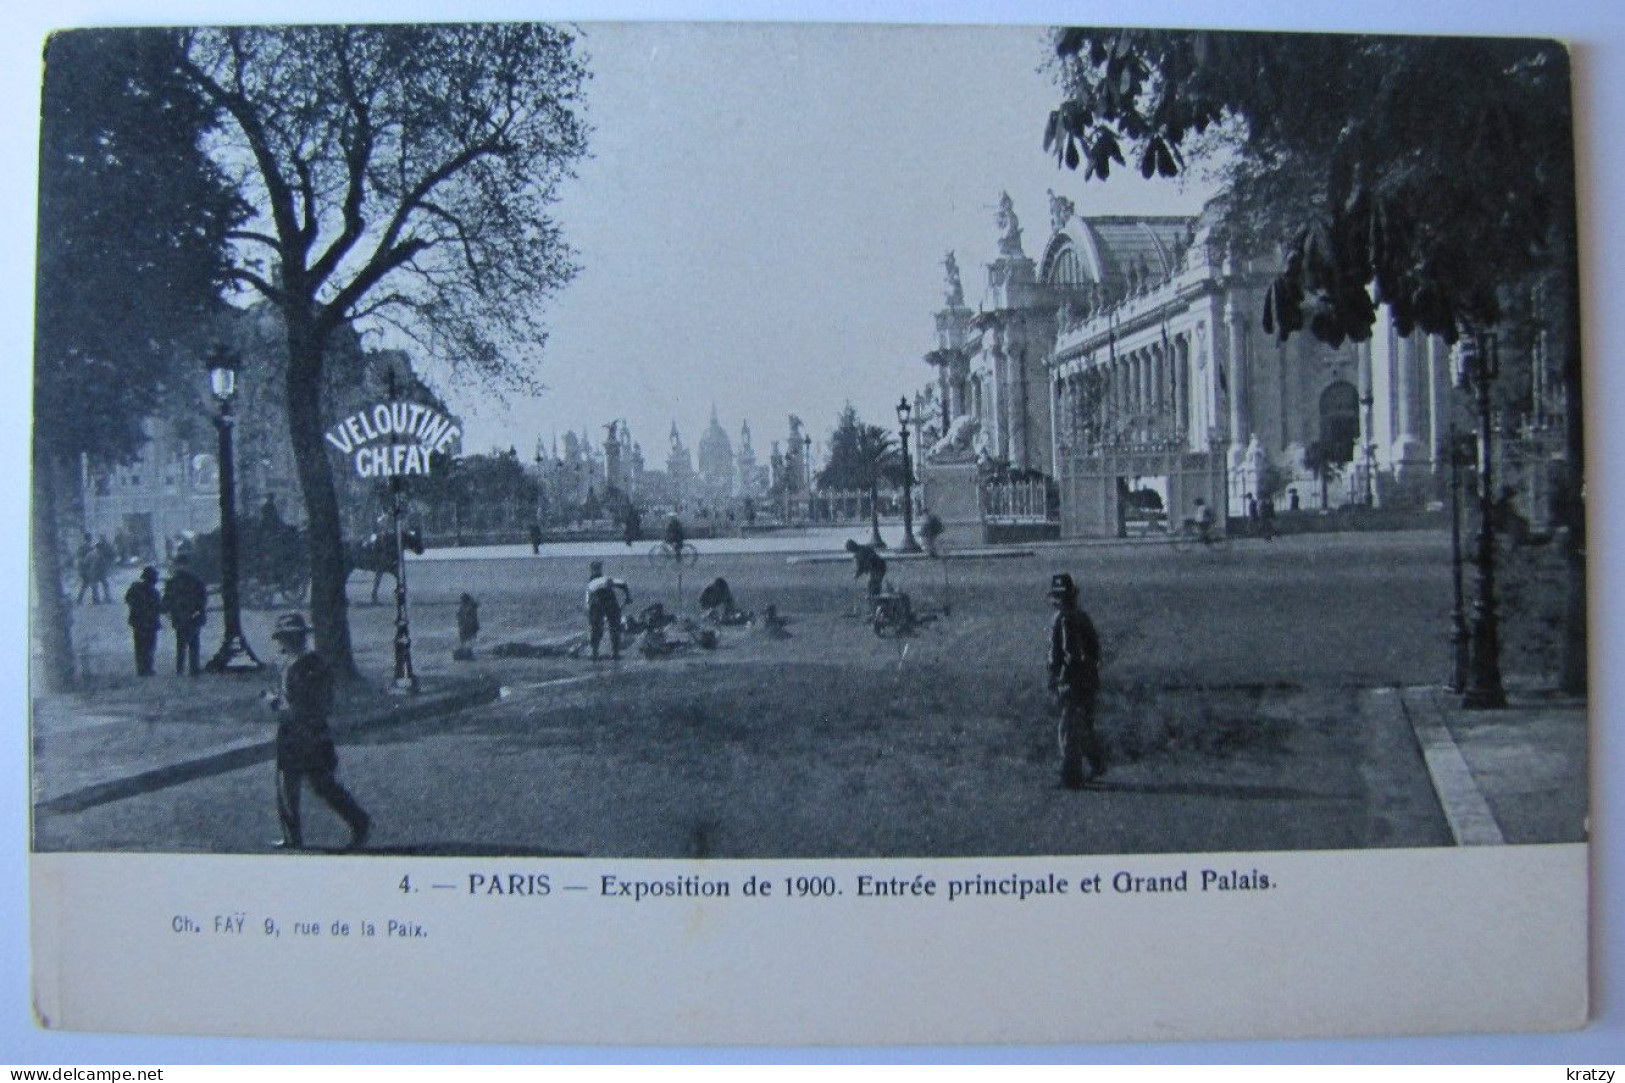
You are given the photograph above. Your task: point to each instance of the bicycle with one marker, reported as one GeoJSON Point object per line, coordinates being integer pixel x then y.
{"type": "Point", "coordinates": [664, 553]}
{"type": "Point", "coordinates": [1192, 536]}
{"type": "Point", "coordinates": [893, 615]}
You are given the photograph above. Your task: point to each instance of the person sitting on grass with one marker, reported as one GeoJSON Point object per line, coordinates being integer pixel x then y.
{"type": "Point", "coordinates": [717, 602]}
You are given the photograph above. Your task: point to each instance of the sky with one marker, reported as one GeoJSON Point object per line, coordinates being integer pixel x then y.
{"type": "Point", "coordinates": [763, 222]}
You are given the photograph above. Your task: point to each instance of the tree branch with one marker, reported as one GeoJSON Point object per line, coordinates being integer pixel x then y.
{"type": "Point", "coordinates": [271, 293]}
{"type": "Point", "coordinates": [357, 158]}
{"type": "Point", "coordinates": [241, 110]}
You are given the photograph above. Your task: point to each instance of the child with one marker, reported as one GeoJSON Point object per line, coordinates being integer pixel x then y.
{"type": "Point", "coordinates": [468, 628]}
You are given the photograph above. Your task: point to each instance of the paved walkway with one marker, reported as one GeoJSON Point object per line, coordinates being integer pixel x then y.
{"type": "Point", "coordinates": [1501, 776]}
{"type": "Point", "coordinates": [90, 748]}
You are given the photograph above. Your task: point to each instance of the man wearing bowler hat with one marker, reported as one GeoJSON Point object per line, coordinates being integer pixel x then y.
{"type": "Point", "coordinates": [304, 744]}
{"type": "Point", "coordinates": [1074, 677]}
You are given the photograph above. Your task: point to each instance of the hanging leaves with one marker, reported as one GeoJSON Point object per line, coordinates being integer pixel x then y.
{"type": "Point", "coordinates": [1419, 173]}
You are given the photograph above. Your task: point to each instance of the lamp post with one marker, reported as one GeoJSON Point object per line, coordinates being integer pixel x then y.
{"type": "Point", "coordinates": [1369, 450]}
{"type": "Point", "coordinates": [406, 681]}
{"type": "Point", "coordinates": [234, 655]}
{"type": "Point", "coordinates": [541, 491]}
{"type": "Point", "coordinates": [1480, 364]}
{"type": "Point", "coordinates": [1461, 454]}
{"type": "Point", "coordinates": [807, 471]}
{"type": "Point", "coordinates": [909, 544]}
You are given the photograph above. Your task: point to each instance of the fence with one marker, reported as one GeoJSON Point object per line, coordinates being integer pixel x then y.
{"type": "Point", "coordinates": [1025, 501]}
{"type": "Point", "coordinates": [835, 507]}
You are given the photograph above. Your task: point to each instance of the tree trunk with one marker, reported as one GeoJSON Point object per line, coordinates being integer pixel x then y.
{"type": "Point", "coordinates": [53, 628]}
{"type": "Point", "coordinates": [1572, 678]}
{"type": "Point", "coordinates": [874, 518]}
{"type": "Point", "coordinates": [329, 608]}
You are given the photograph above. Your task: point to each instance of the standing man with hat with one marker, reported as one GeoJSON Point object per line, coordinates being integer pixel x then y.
{"type": "Point", "coordinates": [146, 611]}
{"type": "Point", "coordinates": [304, 744]}
{"type": "Point", "coordinates": [186, 600]}
{"type": "Point", "coordinates": [1074, 677]}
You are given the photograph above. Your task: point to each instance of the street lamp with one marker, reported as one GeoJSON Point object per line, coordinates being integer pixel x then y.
{"type": "Point", "coordinates": [541, 490]}
{"type": "Point", "coordinates": [1461, 455]}
{"type": "Point", "coordinates": [234, 655]}
{"type": "Point", "coordinates": [1370, 451]}
{"type": "Point", "coordinates": [406, 681]}
{"type": "Point", "coordinates": [807, 471]}
{"type": "Point", "coordinates": [1480, 364]}
{"type": "Point", "coordinates": [909, 544]}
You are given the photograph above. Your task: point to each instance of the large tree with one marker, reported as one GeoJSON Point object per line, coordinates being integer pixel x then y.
{"type": "Point", "coordinates": [401, 174]}
{"type": "Point", "coordinates": [862, 457]}
{"type": "Point", "coordinates": [131, 262]}
{"type": "Point", "coordinates": [1431, 175]}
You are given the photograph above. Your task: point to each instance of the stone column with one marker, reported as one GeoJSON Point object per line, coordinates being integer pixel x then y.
{"type": "Point", "coordinates": [1410, 457]}
{"type": "Point", "coordinates": [1236, 377]}
{"type": "Point", "coordinates": [1142, 384]}
{"type": "Point", "coordinates": [1364, 464]}
{"type": "Point", "coordinates": [1179, 360]}
{"type": "Point", "coordinates": [1119, 391]}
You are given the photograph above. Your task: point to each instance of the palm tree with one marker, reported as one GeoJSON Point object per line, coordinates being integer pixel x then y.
{"type": "Point", "coordinates": [862, 457]}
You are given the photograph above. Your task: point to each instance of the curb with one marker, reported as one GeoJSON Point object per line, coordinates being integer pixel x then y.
{"type": "Point", "coordinates": [1468, 813]}
{"type": "Point", "coordinates": [232, 759]}
{"type": "Point", "coordinates": [909, 558]}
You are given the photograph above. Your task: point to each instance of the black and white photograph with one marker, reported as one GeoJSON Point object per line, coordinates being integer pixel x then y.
{"type": "Point", "coordinates": [654, 455]}
{"type": "Point", "coordinates": [701, 443]}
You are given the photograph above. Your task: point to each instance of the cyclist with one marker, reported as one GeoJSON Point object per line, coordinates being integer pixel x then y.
{"type": "Point", "coordinates": [674, 536]}
{"type": "Point", "coordinates": [1203, 522]}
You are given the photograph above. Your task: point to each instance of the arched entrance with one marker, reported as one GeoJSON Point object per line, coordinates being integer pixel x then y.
{"type": "Point", "coordinates": [1340, 421]}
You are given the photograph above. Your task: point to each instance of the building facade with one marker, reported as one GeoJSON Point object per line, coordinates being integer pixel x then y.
{"type": "Point", "coordinates": [1131, 358]}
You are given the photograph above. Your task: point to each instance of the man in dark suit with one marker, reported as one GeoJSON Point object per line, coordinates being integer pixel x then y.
{"type": "Point", "coordinates": [1074, 677]}
{"type": "Point", "coordinates": [186, 600]}
{"type": "Point", "coordinates": [146, 612]}
{"type": "Point", "coordinates": [304, 744]}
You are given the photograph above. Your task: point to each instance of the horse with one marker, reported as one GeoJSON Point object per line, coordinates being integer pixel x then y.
{"type": "Point", "coordinates": [376, 554]}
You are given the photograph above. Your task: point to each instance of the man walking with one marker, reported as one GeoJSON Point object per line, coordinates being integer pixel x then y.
{"type": "Point", "coordinates": [603, 607]}
{"type": "Point", "coordinates": [304, 744]}
{"type": "Point", "coordinates": [146, 610]}
{"type": "Point", "coordinates": [186, 600]}
{"type": "Point", "coordinates": [84, 562]}
{"type": "Point", "coordinates": [1074, 677]}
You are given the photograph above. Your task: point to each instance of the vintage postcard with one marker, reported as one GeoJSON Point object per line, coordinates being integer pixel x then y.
{"type": "Point", "coordinates": [768, 533]}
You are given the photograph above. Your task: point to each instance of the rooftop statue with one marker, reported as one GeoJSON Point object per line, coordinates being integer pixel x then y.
{"type": "Point", "coordinates": [1009, 227]}
{"type": "Point", "coordinates": [1060, 211]}
{"type": "Point", "coordinates": [956, 292]}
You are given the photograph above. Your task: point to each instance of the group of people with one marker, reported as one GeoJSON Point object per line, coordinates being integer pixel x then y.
{"type": "Point", "coordinates": [184, 599]}
{"type": "Point", "coordinates": [301, 702]}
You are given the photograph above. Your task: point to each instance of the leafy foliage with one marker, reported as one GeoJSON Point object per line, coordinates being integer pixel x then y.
{"type": "Point", "coordinates": [1432, 171]}
{"type": "Point", "coordinates": [399, 174]}
{"type": "Point", "coordinates": [861, 457]}
{"type": "Point", "coordinates": [132, 257]}
{"type": "Point", "coordinates": [404, 172]}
